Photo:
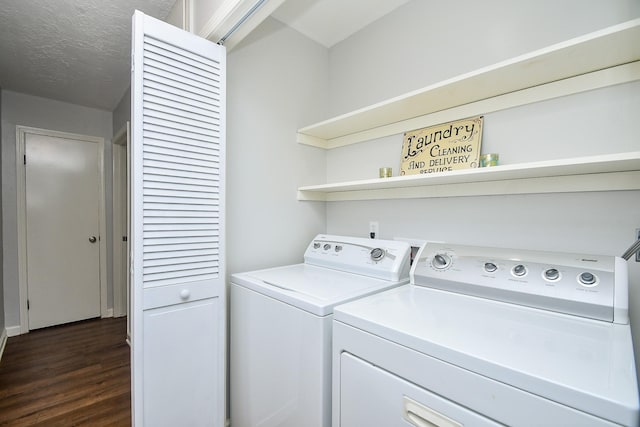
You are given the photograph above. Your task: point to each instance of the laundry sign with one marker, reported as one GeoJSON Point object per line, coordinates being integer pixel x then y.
{"type": "Point", "coordinates": [446, 147]}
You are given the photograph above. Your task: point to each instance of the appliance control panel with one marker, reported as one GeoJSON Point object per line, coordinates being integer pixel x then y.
{"type": "Point", "coordinates": [583, 285]}
{"type": "Point", "coordinates": [382, 259]}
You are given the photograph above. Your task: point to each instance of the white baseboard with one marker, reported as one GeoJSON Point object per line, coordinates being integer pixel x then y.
{"type": "Point", "coordinates": [13, 331]}
{"type": "Point", "coordinates": [3, 341]}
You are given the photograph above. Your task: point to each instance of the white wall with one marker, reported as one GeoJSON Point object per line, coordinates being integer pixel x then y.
{"type": "Point", "coordinates": [277, 81]}
{"type": "Point", "coordinates": [27, 110]}
{"type": "Point", "coordinates": [427, 41]}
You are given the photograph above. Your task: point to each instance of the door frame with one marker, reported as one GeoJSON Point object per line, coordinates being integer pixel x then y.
{"type": "Point", "coordinates": [120, 224]}
{"type": "Point", "coordinates": [21, 135]}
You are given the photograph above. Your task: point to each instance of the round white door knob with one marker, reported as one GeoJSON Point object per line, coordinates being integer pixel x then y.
{"type": "Point", "coordinates": [185, 294]}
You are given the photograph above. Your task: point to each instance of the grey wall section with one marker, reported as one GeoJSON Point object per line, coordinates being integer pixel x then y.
{"type": "Point", "coordinates": [27, 110]}
{"type": "Point", "coordinates": [277, 82]}
{"type": "Point", "coordinates": [428, 41]}
{"type": "Point", "coordinates": [122, 113]}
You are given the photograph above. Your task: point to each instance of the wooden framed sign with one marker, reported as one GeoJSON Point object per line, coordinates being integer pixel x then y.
{"type": "Point", "coordinates": [445, 147]}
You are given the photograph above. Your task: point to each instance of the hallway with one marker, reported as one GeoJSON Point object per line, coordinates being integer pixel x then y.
{"type": "Point", "coordinates": [69, 375]}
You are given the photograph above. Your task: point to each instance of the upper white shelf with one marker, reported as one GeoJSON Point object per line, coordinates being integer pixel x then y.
{"type": "Point", "coordinates": [620, 171]}
{"type": "Point", "coordinates": [588, 54]}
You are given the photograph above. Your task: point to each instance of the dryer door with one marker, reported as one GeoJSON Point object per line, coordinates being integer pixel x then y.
{"type": "Point", "coordinates": [370, 396]}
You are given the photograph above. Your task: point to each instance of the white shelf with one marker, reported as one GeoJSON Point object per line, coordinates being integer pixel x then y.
{"type": "Point", "coordinates": [594, 173]}
{"type": "Point", "coordinates": [602, 58]}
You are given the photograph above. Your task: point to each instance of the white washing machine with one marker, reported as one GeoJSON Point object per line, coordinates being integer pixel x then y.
{"type": "Point", "coordinates": [281, 321]}
{"type": "Point", "coordinates": [487, 337]}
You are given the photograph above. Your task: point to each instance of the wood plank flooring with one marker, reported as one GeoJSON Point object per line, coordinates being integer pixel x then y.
{"type": "Point", "coordinates": [70, 375]}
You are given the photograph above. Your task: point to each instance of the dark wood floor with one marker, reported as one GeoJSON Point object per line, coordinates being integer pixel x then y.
{"type": "Point", "coordinates": [70, 375]}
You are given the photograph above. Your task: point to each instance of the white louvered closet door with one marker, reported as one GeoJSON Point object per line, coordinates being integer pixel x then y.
{"type": "Point", "coordinates": [177, 246]}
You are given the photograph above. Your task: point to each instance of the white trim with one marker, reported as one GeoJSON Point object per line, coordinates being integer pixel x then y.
{"type": "Point", "coordinates": [3, 341]}
{"type": "Point", "coordinates": [135, 177]}
{"type": "Point", "coordinates": [120, 138]}
{"type": "Point", "coordinates": [614, 181]}
{"type": "Point", "coordinates": [21, 132]}
{"type": "Point", "coordinates": [119, 224]}
{"type": "Point", "coordinates": [14, 331]}
{"type": "Point", "coordinates": [606, 172]}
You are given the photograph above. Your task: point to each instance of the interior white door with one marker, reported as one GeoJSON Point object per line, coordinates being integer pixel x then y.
{"type": "Point", "coordinates": [177, 240]}
{"type": "Point", "coordinates": [62, 184]}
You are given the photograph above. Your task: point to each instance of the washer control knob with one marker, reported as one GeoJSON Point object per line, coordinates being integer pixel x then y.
{"type": "Point", "coordinates": [338, 248]}
{"type": "Point", "coordinates": [441, 261]}
{"type": "Point", "coordinates": [316, 245]}
{"type": "Point", "coordinates": [551, 274]}
{"type": "Point", "coordinates": [519, 270]}
{"type": "Point", "coordinates": [377, 254]}
{"type": "Point", "coordinates": [490, 267]}
{"type": "Point", "coordinates": [326, 247]}
{"type": "Point", "coordinates": [587, 279]}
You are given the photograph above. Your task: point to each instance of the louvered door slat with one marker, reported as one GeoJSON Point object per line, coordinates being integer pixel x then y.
{"type": "Point", "coordinates": [175, 260]}
{"type": "Point", "coordinates": [167, 199]}
{"type": "Point", "coordinates": [173, 142]}
{"type": "Point", "coordinates": [177, 68]}
{"type": "Point", "coordinates": [184, 118]}
{"type": "Point", "coordinates": [164, 99]}
{"type": "Point", "coordinates": [163, 69]}
{"type": "Point", "coordinates": [169, 167]}
{"type": "Point", "coordinates": [208, 252]}
{"type": "Point", "coordinates": [169, 131]}
{"type": "Point", "coordinates": [150, 219]}
{"type": "Point", "coordinates": [169, 126]}
{"type": "Point", "coordinates": [180, 152]}
{"type": "Point", "coordinates": [183, 246]}
{"type": "Point", "coordinates": [180, 157]}
{"type": "Point", "coordinates": [172, 173]}
{"type": "Point", "coordinates": [176, 94]}
{"type": "Point", "coordinates": [197, 60]}
{"type": "Point", "coordinates": [164, 79]}
{"type": "Point", "coordinates": [161, 227]}
{"type": "Point", "coordinates": [201, 118]}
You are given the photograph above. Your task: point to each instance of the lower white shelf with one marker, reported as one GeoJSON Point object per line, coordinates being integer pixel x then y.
{"type": "Point", "coordinates": [610, 172]}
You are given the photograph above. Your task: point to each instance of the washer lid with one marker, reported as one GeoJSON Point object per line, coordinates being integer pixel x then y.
{"type": "Point", "coordinates": [581, 363]}
{"type": "Point", "coordinates": [311, 288]}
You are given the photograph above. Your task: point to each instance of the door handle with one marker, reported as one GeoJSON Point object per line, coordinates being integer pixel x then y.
{"type": "Point", "coordinates": [92, 239]}
{"type": "Point", "coordinates": [419, 415]}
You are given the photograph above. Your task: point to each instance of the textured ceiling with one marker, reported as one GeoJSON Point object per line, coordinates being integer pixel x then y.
{"type": "Point", "coordinates": [70, 50]}
{"type": "Point", "coordinates": [331, 21]}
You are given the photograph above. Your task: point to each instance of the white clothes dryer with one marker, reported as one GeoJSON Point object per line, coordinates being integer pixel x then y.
{"type": "Point", "coordinates": [281, 321]}
{"type": "Point", "coordinates": [485, 337]}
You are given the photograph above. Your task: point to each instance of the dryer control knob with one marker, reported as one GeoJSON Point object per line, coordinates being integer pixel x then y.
{"type": "Point", "coordinates": [490, 267]}
{"type": "Point", "coordinates": [377, 254]}
{"type": "Point", "coordinates": [552, 274]}
{"type": "Point", "coordinates": [441, 261]}
{"type": "Point", "coordinates": [519, 270]}
{"type": "Point", "coordinates": [587, 279]}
